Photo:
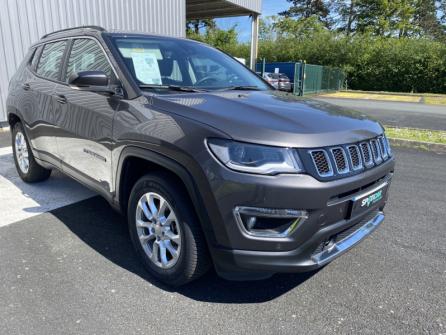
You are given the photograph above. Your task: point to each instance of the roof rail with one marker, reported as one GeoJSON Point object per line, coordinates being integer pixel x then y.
{"type": "Point", "coordinates": [74, 28]}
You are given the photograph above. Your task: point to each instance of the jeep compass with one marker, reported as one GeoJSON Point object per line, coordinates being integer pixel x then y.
{"type": "Point", "coordinates": [209, 163]}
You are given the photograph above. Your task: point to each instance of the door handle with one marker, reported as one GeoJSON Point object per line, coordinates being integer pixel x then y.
{"type": "Point", "coordinates": [26, 86]}
{"type": "Point", "coordinates": [61, 99]}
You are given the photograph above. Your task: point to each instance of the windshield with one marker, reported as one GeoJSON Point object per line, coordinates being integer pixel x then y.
{"type": "Point", "coordinates": [161, 62]}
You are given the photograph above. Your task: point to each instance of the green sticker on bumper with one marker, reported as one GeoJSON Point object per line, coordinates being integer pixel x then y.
{"type": "Point", "coordinates": [372, 199]}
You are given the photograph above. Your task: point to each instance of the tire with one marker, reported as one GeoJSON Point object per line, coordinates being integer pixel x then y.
{"type": "Point", "coordinates": [180, 232]}
{"type": "Point", "coordinates": [27, 167]}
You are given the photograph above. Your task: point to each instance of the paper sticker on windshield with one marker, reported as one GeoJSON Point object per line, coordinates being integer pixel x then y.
{"type": "Point", "coordinates": [146, 68]}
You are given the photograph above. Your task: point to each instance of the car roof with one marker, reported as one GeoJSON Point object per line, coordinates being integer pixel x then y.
{"type": "Point", "coordinates": [97, 31]}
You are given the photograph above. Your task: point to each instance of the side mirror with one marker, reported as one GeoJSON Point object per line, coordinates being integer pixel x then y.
{"type": "Point", "coordinates": [88, 78]}
{"type": "Point", "coordinates": [93, 81]}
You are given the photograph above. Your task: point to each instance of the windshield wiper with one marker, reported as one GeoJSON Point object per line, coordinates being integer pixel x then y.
{"type": "Point", "coordinates": [171, 87]}
{"type": "Point", "coordinates": [242, 88]}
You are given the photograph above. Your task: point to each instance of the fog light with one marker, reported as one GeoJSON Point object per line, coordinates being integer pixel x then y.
{"type": "Point", "coordinates": [267, 222]}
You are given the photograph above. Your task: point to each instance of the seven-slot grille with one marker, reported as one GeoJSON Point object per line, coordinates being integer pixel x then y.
{"type": "Point", "coordinates": [342, 160]}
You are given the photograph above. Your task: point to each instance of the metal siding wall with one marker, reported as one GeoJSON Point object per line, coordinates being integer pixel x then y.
{"type": "Point", "coordinates": [23, 22]}
{"type": "Point", "coordinates": [253, 5]}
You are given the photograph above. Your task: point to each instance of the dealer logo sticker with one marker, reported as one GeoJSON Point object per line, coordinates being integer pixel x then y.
{"type": "Point", "coordinates": [372, 199]}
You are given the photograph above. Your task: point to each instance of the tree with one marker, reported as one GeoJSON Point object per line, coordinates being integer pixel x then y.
{"type": "Point", "coordinates": [386, 18]}
{"type": "Point", "coordinates": [195, 26]}
{"type": "Point", "coordinates": [346, 15]}
{"type": "Point", "coordinates": [299, 29]}
{"type": "Point", "coordinates": [430, 18]}
{"type": "Point", "coordinates": [266, 28]}
{"type": "Point", "coordinates": [304, 9]}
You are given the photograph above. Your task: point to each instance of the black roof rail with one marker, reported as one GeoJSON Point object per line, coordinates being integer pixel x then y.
{"type": "Point", "coordinates": [74, 28]}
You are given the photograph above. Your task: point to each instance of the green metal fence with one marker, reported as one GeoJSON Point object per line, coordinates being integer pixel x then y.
{"type": "Point", "coordinates": [307, 78]}
{"type": "Point", "coordinates": [317, 78]}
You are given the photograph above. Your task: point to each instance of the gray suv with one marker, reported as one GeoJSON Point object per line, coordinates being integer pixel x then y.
{"type": "Point", "coordinates": [210, 164]}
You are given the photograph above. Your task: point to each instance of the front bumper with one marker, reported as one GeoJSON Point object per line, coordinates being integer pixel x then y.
{"type": "Point", "coordinates": [248, 264]}
{"type": "Point", "coordinates": [238, 255]}
{"type": "Point", "coordinates": [285, 87]}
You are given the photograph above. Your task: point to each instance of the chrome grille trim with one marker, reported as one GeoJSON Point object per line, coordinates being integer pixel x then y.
{"type": "Point", "coordinates": [348, 159]}
{"type": "Point", "coordinates": [382, 145]}
{"type": "Point", "coordinates": [388, 148]}
{"type": "Point", "coordinates": [376, 150]}
{"type": "Point", "coordinates": [355, 155]}
{"type": "Point", "coordinates": [366, 154]}
{"type": "Point", "coordinates": [340, 160]}
{"type": "Point", "coordinates": [317, 165]}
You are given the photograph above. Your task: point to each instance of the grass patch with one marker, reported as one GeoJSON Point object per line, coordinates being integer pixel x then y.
{"type": "Point", "coordinates": [435, 100]}
{"type": "Point", "coordinates": [427, 98]}
{"type": "Point", "coordinates": [420, 135]}
{"type": "Point", "coordinates": [374, 96]}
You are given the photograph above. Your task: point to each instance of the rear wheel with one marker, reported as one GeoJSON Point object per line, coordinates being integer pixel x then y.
{"type": "Point", "coordinates": [165, 231]}
{"type": "Point", "coordinates": [27, 167]}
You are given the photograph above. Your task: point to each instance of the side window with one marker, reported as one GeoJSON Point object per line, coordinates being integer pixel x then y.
{"type": "Point", "coordinates": [51, 60]}
{"type": "Point", "coordinates": [87, 55]}
{"type": "Point", "coordinates": [35, 58]}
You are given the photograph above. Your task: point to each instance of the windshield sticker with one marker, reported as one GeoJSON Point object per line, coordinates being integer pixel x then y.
{"type": "Point", "coordinates": [146, 68]}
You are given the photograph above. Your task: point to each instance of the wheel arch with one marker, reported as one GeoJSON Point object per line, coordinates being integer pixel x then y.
{"type": "Point", "coordinates": [148, 161]}
{"type": "Point", "coordinates": [14, 116]}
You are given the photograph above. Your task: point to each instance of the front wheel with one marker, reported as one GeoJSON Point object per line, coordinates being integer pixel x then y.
{"type": "Point", "coordinates": [27, 167]}
{"type": "Point", "coordinates": [165, 231]}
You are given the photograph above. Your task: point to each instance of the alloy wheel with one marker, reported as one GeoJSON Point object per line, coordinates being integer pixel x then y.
{"type": "Point", "coordinates": [158, 230]}
{"type": "Point", "coordinates": [21, 152]}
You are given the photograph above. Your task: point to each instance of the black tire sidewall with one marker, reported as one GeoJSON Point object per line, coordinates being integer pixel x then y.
{"type": "Point", "coordinates": [35, 172]}
{"type": "Point", "coordinates": [19, 128]}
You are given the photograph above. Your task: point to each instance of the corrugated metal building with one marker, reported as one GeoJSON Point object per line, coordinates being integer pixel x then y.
{"type": "Point", "coordinates": [23, 22]}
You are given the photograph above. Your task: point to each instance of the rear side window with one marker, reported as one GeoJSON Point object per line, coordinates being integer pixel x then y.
{"type": "Point", "coordinates": [87, 55]}
{"type": "Point", "coordinates": [51, 60]}
{"type": "Point", "coordinates": [35, 58]}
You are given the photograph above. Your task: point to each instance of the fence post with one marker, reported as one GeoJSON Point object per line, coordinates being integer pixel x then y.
{"type": "Point", "coordinates": [296, 78]}
{"type": "Point", "coordinates": [302, 81]}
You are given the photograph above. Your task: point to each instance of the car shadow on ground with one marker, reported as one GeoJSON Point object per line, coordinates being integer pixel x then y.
{"type": "Point", "coordinates": [104, 230]}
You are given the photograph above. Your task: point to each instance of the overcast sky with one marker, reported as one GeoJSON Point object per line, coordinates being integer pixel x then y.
{"type": "Point", "coordinates": [270, 7]}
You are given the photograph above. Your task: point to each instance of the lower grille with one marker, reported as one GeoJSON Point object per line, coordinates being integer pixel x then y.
{"type": "Point", "coordinates": [345, 233]}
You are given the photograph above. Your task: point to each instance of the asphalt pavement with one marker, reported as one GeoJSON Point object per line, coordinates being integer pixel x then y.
{"type": "Point", "coordinates": [402, 114]}
{"type": "Point", "coordinates": [73, 271]}
{"type": "Point", "coordinates": [5, 139]}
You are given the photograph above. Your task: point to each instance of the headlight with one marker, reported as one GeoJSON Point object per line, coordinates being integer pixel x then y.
{"type": "Point", "coordinates": [255, 158]}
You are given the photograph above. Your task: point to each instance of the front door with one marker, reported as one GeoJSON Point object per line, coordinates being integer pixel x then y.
{"type": "Point", "coordinates": [86, 118]}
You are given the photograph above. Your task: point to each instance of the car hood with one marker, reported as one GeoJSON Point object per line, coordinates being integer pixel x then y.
{"type": "Point", "coordinates": [271, 117]}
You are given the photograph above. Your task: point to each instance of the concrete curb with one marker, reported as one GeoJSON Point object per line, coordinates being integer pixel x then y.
{"type": "Point", "coordinates": [426, 146]}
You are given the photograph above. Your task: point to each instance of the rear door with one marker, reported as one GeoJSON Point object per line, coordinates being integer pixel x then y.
{"type": "Point", "coordinates": [86, 118]}
{"type": "Point", "coordinates": [42, 120]}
